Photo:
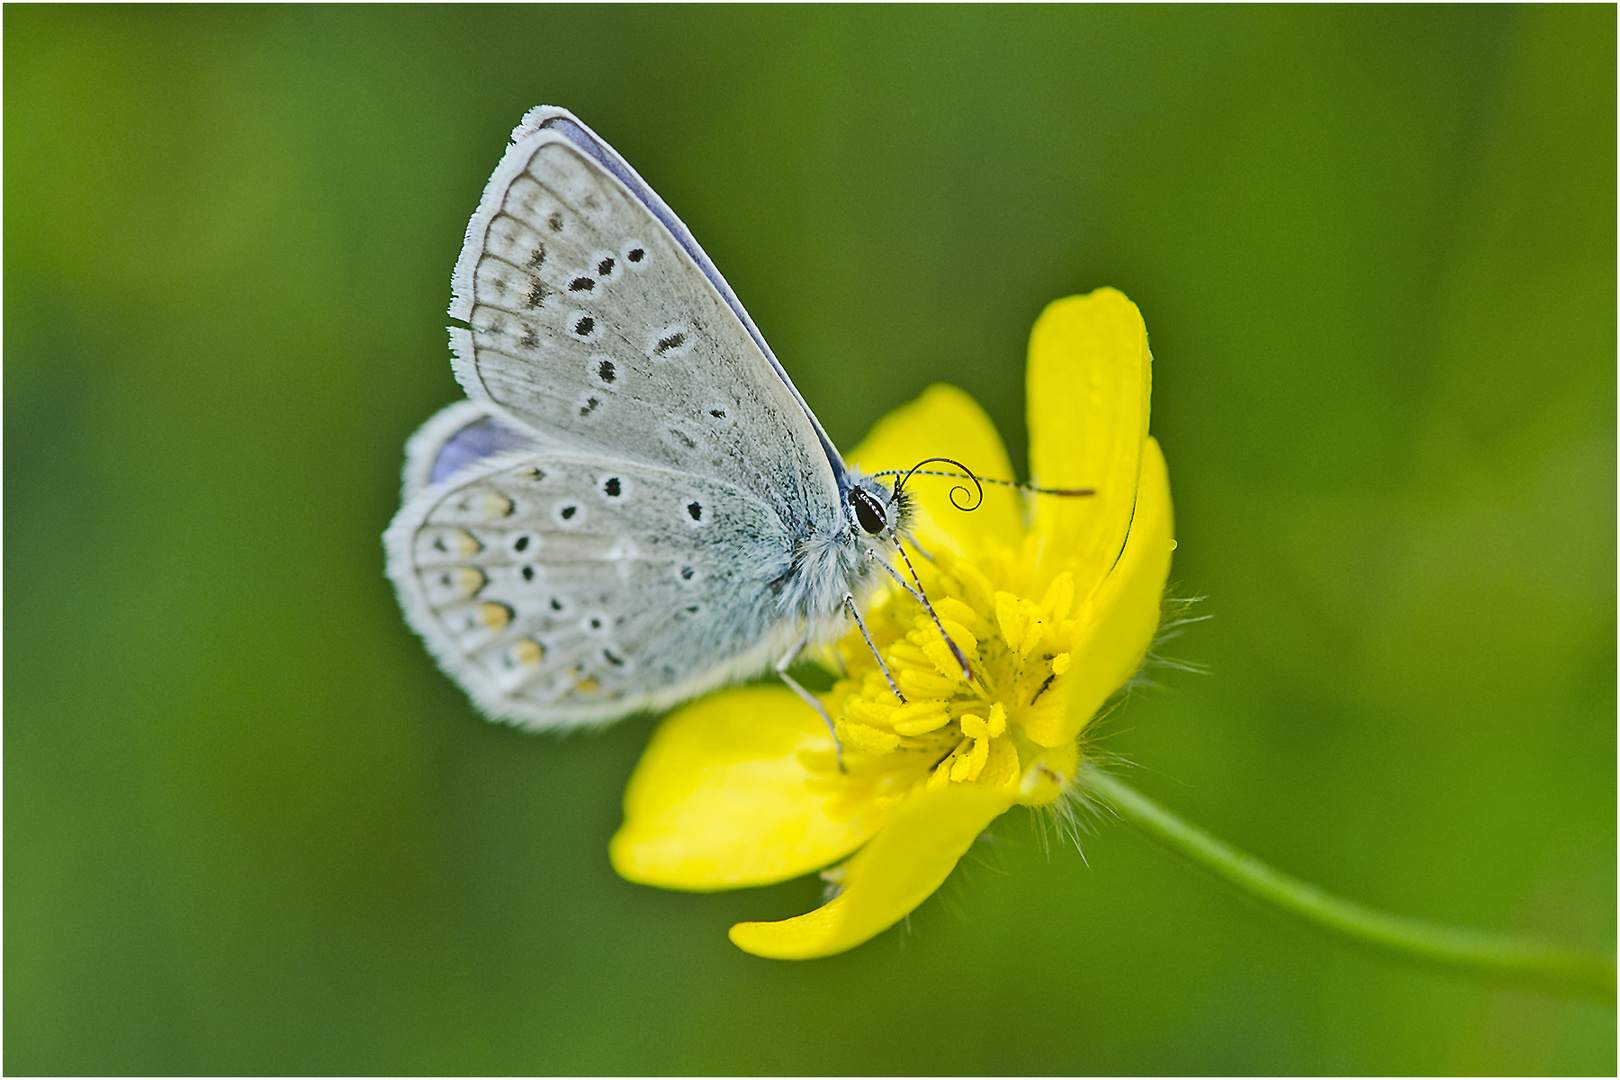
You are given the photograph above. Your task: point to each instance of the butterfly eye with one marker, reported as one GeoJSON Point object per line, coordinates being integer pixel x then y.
{"type": "Point", "coordinates": [869, 512]}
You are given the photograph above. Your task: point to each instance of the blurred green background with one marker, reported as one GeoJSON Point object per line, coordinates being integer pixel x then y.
{"type": "Point", "coordinates": [250, 828]}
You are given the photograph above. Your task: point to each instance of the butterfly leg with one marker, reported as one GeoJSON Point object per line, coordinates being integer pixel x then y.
{"type": "Point", "coordinates": [918, 595]}
{"type": "Point", "coordinates": [809, 699]}
{"type": "Point", "coordinates": [849, 602]}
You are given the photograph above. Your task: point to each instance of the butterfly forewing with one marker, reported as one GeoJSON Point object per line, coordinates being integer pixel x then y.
{"type": "Point", "coordinates": [589, 322]}
{"type": "Point", "coordinates": [564, 589]}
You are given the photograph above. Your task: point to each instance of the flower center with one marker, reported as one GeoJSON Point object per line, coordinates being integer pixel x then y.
{"type": "Point", "coordinates": [950, 730]}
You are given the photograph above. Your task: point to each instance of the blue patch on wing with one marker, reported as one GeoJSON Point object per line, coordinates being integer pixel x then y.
{"type": "Point", "coordinates": [484, 437]}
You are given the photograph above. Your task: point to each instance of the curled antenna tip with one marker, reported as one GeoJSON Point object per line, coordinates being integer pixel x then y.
{"type": "Point", "coordinates": [957, 491]}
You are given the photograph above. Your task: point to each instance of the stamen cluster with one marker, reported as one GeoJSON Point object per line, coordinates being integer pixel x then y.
{"type": "Point", "coordinates": [951, 730]}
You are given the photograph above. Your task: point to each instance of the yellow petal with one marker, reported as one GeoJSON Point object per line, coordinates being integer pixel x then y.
{"type": "Point", "coordinates": [1126, 614]}
{"type": "Point", "coordinates": [1089, 378]}
{"type": "Point", "coordinates": [946, 422]}
{"type": "Point", "coordinates": [902, 865]}
{"type": "Point", "coordinates": [720, 800]}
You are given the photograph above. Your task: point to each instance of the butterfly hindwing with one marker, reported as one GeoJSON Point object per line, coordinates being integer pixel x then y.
{"type": "Point", "coordinates": [562, 589]}
{"type": "Point", "coordinates": [457, 436]}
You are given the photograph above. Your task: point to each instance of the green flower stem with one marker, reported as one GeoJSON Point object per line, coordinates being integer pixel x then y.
{"type": "Point", "coordinates": [1467, 952]}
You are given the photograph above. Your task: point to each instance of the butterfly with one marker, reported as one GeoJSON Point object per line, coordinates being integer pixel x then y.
{"type": "Point", "coordinates": [634, 505]}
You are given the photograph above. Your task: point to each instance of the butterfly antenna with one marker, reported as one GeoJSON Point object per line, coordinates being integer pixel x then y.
{"type": "Point", "coordinates": [978, 481]}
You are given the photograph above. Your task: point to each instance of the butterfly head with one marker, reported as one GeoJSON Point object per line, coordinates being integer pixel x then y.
{"type": "Point", "coordinates": [879, 516]}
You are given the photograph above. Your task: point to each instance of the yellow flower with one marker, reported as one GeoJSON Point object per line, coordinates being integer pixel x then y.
{"type": "Point", "coordinates": [743, 787]}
